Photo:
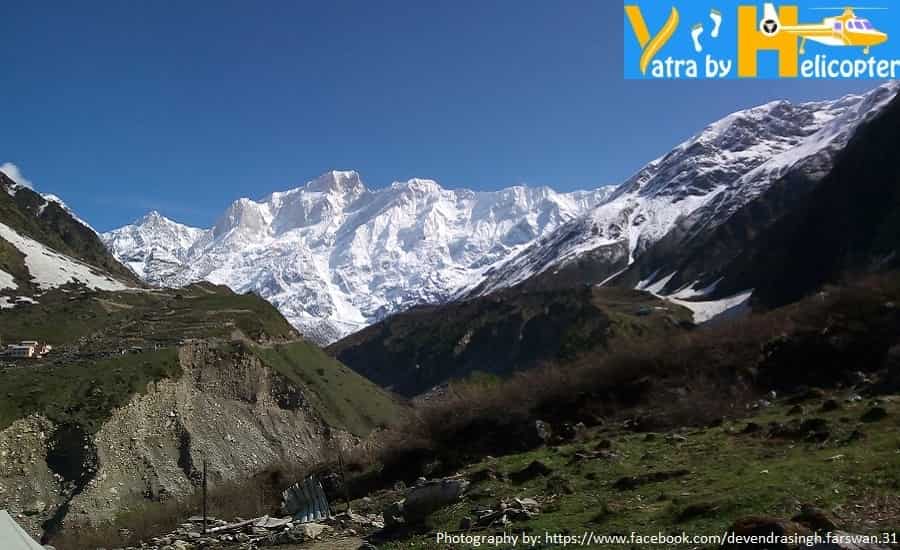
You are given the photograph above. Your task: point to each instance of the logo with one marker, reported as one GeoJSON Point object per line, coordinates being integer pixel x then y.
{"type": "Point", "coordinates": [740, 40]}
{"type": "Point", "coordinates": [650, 46]}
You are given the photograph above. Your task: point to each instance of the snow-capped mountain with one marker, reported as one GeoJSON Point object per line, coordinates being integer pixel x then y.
{"type": "Point", "coordinates": [154, 247]}
{"type": "Point", "coordinates": [335, 256]}
{"type": "Point", "coordinates": [697, 186]}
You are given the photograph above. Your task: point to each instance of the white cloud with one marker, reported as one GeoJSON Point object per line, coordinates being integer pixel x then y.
{"type": "Point", "coordinates": [12, 172]}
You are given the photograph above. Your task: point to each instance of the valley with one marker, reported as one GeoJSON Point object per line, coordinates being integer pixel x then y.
{"type": "Point", "coordinates": [710, 347]}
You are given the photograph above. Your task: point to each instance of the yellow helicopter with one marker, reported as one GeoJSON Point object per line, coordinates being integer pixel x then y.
{"type": "Point", "coordinates": [843, 30]}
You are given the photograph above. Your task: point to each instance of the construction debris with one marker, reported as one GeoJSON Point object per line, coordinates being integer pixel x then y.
{"type": "Point", "coordinates": [506, 512]}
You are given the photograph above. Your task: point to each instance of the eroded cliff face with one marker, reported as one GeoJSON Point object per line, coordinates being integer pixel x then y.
{"type": "Point", "coordinates": [227, 407]}
{"type": "Point", "coordinates": [29, 489]}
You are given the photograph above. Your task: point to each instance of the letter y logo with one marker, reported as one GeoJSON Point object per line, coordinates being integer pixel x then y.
{"type": "Point", "coordinates": [650, 45]}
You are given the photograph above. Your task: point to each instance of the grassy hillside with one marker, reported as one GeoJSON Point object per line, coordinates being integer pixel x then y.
{"type": "Point", "coordinates": [342, 397]}
{"type": "Point", "coordinates": [87, 376]}
{"type": "Point", "coordinates": [83, 393]}
{"type": "Point", "coordinates": [502, 333]}
{"type": "Point", "coordinates": [762, 415]}
{"type": "Point", "coordinates": [709, 477]}
{"type": "Point", "coordinates": [116, 319]}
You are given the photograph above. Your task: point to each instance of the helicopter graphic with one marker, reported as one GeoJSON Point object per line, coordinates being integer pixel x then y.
{"type": "Point", "coordinates": [843, 30]}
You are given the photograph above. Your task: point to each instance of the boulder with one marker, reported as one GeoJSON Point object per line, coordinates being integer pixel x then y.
{"type": "Point", "coordinates": [296, 535]}
{"type": "Point", "coordinates": [751, 428]}
{"type": "Point", "coordinates": [544, 431]}
{"type": "Point", "coordinates": [874, 414]}
{"type": "Point", "coordinates": [393, 515]}
{"type": "Point", "coordinates": [533, 470]}
{"type": "Point", "coordinates": [633, 482]}
{"type": "Point", "coordinates": [424, 499]}
{"type": "Point", "coordinates": [815, 519]}
{"type": "Point", "coordinates": [430, 496]}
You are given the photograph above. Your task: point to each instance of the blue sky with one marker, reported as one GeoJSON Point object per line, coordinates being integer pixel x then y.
{"type": "Point", "coordinates": [184, 106]}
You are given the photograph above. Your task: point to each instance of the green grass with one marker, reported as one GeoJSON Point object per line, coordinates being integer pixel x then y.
{"type": "Point", "coordinates": [342, 398]}
{"type": "Point", "coordinates": [731, 476]}
{"type": "Point", "coordinates": [251, 314]}
{"type": "Point", "coordinates": [60, 318]}
{"type": "Point", "coordinates": [198, 311]}
{"type": "Point", "coordinates": [84, 394]}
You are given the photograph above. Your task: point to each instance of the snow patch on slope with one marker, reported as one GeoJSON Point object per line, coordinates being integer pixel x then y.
{"type": "Point", "coordinates": [50, 197]}
{"type": "Point", "coordinates": [7, 281]}
{"type": "Point", "coordinates": [705, 312]}
{"type": "Point", "coordinates": [50, 269]}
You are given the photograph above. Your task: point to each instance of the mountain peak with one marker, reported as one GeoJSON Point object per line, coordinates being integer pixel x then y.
{"type": "Point", "coordinates": [337, 181]}
{"type": "Point", "coordinates": [151, 216]}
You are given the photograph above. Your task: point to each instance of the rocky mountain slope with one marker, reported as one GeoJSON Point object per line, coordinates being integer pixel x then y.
{"type": "Point", "coordinates": [43, 245]}
{"type": "Point", "coordinates": [847, 225]}
{"type": "Point", "coordinates": [143, 386]}
{"type": "Point", "coordinates": [335, 256]}
{"type": "Point", "coordinates": [640, 234]}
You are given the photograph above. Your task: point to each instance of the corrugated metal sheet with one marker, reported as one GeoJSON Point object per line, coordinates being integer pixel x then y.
{"type": "Point", "coordinates": [13, 537]}
{"type": "Point", "coordinates": [306, 501]}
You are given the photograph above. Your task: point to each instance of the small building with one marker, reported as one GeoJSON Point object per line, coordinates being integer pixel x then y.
{"type": "Point", "coordinates": [28, 349]}
{"type": "Point", "coordinates": [20, 351]}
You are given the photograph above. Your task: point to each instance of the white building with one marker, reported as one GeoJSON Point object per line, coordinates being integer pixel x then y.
{"type": "Point", "coordinates": [28, 349]}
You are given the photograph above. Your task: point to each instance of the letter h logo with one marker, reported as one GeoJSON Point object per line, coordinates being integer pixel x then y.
{"type": "Point", "coordinates": [755, 36]}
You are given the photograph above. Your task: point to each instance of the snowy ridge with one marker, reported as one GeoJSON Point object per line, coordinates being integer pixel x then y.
{"type": "Point", "coordinates": [50, 269]}
{"type": "Point", "coordinates": [713, 174]}
{"type": "Point", "coordinates": [50, 197]}
{"type": "Point", "coordinates": [335, 256]}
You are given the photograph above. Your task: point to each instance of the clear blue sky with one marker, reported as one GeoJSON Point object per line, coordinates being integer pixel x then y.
{"type": "Point", "coordinates": [183, 106]}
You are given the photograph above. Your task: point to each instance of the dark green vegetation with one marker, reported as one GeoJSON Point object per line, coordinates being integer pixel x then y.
{"type": "Point", "coordinates": [31, 215]}
{"type": "Point", "coordinates": [84, 393]}
{"type": "Point", "coordinates": [502, 333]}
{"type": "Point", "coordinates": [340, 396]}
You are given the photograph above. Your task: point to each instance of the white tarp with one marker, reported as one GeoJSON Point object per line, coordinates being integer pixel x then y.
{"type": "Point", "coordinates": [13, 537]}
